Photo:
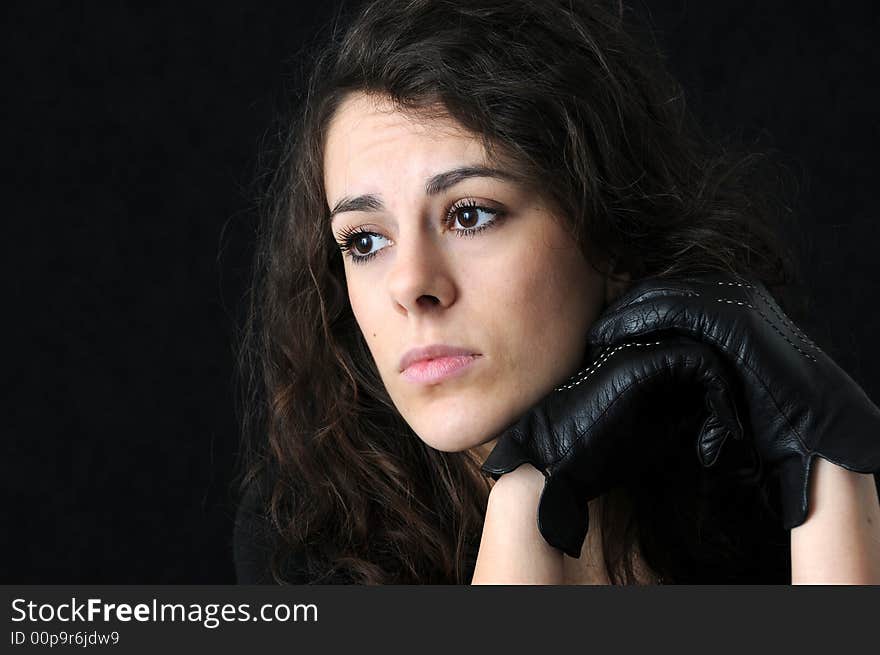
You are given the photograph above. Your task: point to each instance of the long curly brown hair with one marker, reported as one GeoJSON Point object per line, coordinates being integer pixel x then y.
{"type": "Point", "coordinates": [574, 96]}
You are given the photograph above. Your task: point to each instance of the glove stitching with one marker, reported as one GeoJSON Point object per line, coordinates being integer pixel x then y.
{"type": "Point", "coordinates": [788, 322]}
{"type": "Point", "coordinates": [776, 310]}
{"type": "Point", "coordinates": [770, 323]}
{"type": "Point", "coordinates": [596, 364]}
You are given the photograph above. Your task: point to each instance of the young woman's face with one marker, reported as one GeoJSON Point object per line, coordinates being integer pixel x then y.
{"type": "Point", "coordinates": [518, 293]}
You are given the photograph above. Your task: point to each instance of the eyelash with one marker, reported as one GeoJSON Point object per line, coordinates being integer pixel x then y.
{"type": "Point", "coordinates": [348, 236]}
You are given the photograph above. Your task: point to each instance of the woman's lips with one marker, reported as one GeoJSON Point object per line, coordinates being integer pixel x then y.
{"type": "Point", "coordinates": [432, 371]}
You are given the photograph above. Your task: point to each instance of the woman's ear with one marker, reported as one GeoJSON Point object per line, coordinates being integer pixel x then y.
{"type": "Point", "coordinates": [616, 283]}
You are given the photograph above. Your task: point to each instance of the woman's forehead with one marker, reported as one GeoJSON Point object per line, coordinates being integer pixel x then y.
{"type": "Point", "coordinates": [370, 145]}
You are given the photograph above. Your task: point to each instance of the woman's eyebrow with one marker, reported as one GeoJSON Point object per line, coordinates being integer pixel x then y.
{"type": "Point", "coordinates": [435, 184]}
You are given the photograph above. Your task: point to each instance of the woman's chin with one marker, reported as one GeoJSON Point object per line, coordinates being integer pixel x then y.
{"type": "Point", "coordinates": [456, 427]}
{"type": "Point", "coordinates": [451, 443]}
{"type": "Point", "coordinates": [456, 438]}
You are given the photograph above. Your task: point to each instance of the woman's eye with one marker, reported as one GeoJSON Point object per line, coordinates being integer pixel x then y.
{"type": "Point", "coordinates": [358, 245]}
{"type": "Point", "coordinates": [468, 216]}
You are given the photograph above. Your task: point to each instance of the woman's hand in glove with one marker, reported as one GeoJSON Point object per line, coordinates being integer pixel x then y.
{"type": "Point", "coordinates": [607, 421]}
{"type": "Point", "coordinates": [796, 402]}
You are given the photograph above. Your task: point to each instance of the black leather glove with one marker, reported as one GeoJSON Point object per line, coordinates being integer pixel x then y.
{"type": "Point", "coordinates": [605, 422]}
{"type": "Point", "coordinates": [798, 402]}
{"type": "Point", "coordinates": [795, 402]}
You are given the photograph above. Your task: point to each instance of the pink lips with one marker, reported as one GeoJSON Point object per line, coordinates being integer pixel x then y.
{"type": "Point", "coordinates": [429, 364]}
{"type": "Point", "coordinates": [429, 371]}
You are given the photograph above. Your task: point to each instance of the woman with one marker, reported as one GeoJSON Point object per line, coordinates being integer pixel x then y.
{"type": "Point", "coordinates": [548, 136]}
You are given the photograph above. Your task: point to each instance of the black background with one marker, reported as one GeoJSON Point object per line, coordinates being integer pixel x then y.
{"type": "Point", "coordinates": [131, 138]}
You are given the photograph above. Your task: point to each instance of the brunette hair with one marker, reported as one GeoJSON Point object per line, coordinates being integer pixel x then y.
{"type": "Point", "coordinates": [575, 97]}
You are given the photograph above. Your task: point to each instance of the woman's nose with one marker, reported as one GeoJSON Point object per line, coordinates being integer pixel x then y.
{"type": "Point", "coordinates": [420, 278]}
